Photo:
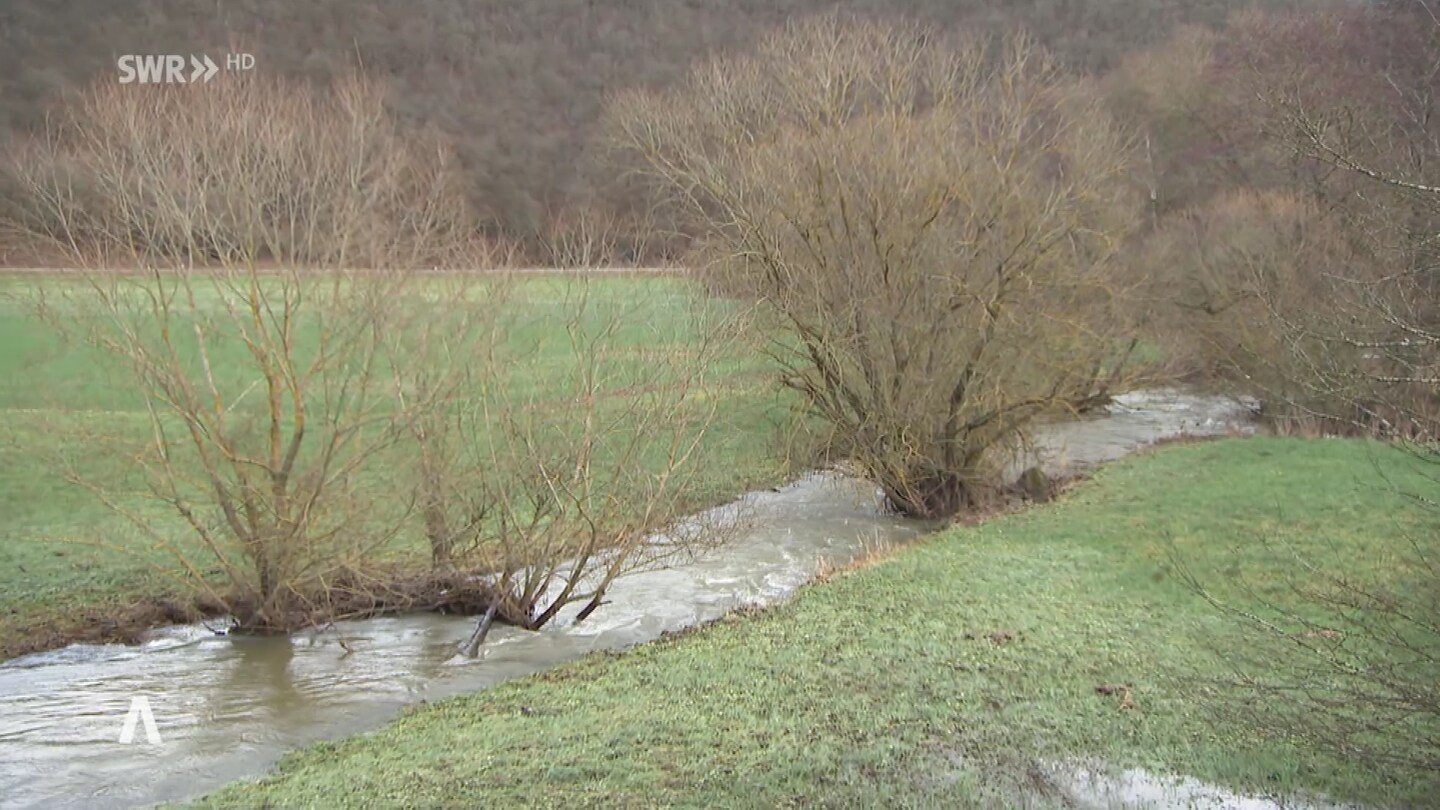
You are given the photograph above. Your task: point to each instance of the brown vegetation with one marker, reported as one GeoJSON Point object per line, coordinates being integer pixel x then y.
{"type": "Point", "coordinates": [305, 417]}
{"type": "Point", "coordinates": [555, 497]}
{"type": "Point", "coordinates": [1245, 264]}
{"type": "Point", "coordinates": [265, 452]}
{"type": "Point", "coordinates": [930, 227]}
{"type": "Point", "coordinates": [517, 87]}
{"type": "Point", "coordinates": [1276, 237]}
{"type": "Point", "coordinates": [1321, 294]}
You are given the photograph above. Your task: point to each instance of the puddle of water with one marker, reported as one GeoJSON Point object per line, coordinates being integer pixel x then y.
{"type": "Point", "coordinates": [227, 708]}
{"type": "Point", "coordinates": [1092, 787]}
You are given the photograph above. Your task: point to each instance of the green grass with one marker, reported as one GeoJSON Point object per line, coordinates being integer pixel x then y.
{"type": "Point", "coordinates": [66, 559]}
{"type": "Point", "coordinates": [880, 687]}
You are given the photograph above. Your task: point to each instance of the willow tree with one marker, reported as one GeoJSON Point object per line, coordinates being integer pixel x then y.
{"type": "Point", "coordinates": [930, 224]}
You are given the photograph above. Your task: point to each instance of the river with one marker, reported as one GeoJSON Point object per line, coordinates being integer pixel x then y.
{"type": "Point", "coordinates": [227, 708]}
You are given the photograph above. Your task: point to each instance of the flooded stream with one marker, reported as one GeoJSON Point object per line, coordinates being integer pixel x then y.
{"type": "Point", "coordinates": [226, 708]}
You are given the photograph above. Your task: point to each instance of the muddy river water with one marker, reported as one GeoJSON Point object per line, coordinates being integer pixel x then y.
{"type": "Point", "coordinates": [226, 708]}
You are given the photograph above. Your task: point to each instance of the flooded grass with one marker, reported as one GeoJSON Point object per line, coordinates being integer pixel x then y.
{"type": "Point", "coordinates": [948, 674]}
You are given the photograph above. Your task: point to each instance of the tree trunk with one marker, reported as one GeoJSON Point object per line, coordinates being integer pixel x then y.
{"type": "Point", "coordinates": [934, 496]}
{"type": "Point", "coordinates": [481, 630]}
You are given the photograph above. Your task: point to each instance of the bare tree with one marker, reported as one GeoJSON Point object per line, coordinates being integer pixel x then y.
{"type": "Point", "coordinates": [1348, 96]}
{"type": "Point", "coordinates": [247, 252]}
{"type": "Point", "coordinates": [555, 490]}
{"type": "Point", "coordinates": [1241, 270]}
{"type": "Point", "coordinates": [1348, 316]}
{"type": "Point", "coordinates": [929, 224]}
{"type": "Point", "coordinates": [585, 236]}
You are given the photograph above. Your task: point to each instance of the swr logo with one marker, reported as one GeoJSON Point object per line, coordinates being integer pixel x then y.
{"type": "Point", "coordinates": [171, 68]}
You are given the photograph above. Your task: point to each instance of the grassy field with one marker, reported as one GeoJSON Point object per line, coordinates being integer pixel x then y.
{"type": "Point", "coordinates": [69, 565]}
{"type": "Point", "coordinates": [885, 686]}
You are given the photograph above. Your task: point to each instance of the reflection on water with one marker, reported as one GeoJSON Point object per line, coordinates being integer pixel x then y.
{"type": "Point", "coordinates": [227, 708]}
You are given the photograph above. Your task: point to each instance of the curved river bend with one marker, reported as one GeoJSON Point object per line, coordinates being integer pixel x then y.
{"type": "Point", "coordinates": [226, 708]}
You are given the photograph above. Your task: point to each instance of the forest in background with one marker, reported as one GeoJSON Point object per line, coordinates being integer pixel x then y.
{"type": "Point", "coordinates": [519, 88]}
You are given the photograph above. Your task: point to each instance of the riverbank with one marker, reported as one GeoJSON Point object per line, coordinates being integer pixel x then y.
{"type": "Point", "coordinates": [940, 675]}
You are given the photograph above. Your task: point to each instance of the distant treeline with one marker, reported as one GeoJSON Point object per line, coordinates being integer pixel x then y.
{"type": "Point", "coordinates": [518, 86]}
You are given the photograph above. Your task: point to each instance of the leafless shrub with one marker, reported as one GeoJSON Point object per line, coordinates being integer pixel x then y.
{"type": "Point", "coordinates": [930, 226]}
{"type": "Point", "coordinates": [252, 171]}
{"type": "Point", "coordinates": [1242, 270]}
{"type": "Point", "coordinates": [1348, 300]}
{"type": "Point", "coordinates": [593, 235]}
{"type": "Point", "coordinates": [583, 237]}
{"type": "Point", "coordinates": [555, 490]}
{"type": "Point", "coordinates": [1349, 97]}
{"type": "Point", "coordinates": [217, 234]}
